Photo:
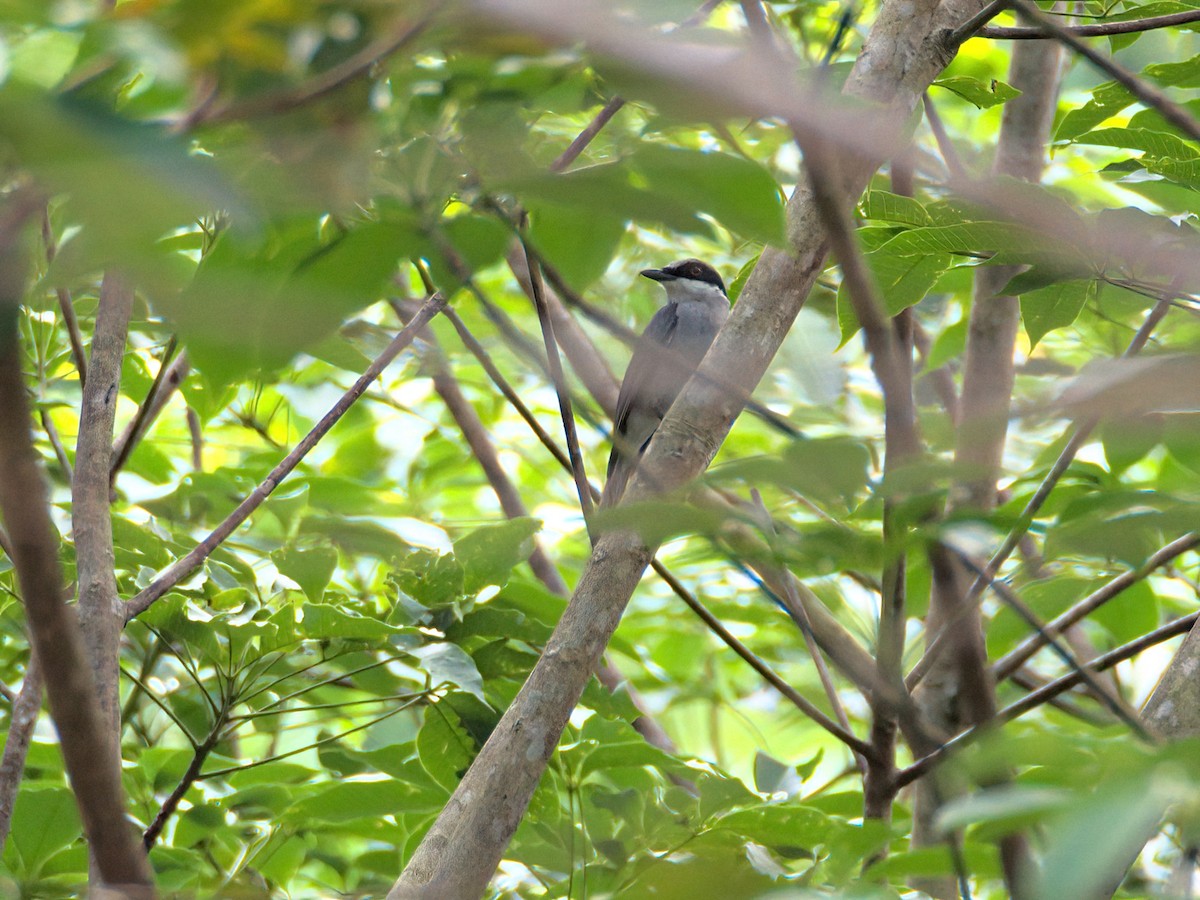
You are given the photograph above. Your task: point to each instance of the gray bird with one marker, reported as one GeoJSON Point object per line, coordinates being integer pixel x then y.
{"type": "Point", "coordinates": [665, 357]}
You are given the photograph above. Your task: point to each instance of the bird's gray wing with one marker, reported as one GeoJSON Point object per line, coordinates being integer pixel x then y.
{"type": "Point", "coordinates": [638, 402]}
{"type": "Point", "coordinates": [646, 363]}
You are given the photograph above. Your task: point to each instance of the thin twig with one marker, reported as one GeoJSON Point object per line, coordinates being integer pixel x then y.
{"type": "Point", "coordinates": [1146, 93]}
{"type": "Point", "coordinates": [1044, 694]}
{"type": "Point", "coordinates": [1015, 658]}
{"type": "Point", "coordinates": [1102, 29]}
{"type": "Point", "coordinates": [1079, 433]}
{"type": "Point", "coordinates": [183, 567]}
{"type": "Point", "coordinates": [170, 373]}
{"type": "Point", "coordinates": [945, 145]}
{"type": "Point", "coordinates": [586, 136]}
{"type": "Point", "coordinates": [560, 386]}
{"type": "Point", "coordinates": [810, 641]}
{"type": "Point", "coordinates": [1014, 602]}
{"type": "Point", "coordinates": [65, 305]}
{"type": "Point", "coordinates": [856, 744]}
{"type": "Point", "coordinates": [60, 451]}
{"type": "Point", "coordinates": [510, 394]}
{"type": "Point", "coordinates": [977, 21]}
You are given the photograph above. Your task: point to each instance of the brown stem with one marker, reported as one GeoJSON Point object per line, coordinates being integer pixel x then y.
{"type": "Point", "coordinates": [1145, 92]}
{"type": "Point", "coordinates": [1015, 658]}
{"type": "Point", "coordinates": [70, 683]}
{"type": "Point", "coordinates": [560, 387]}
{"type": "Point", "coordinates": [171, 373]}
{"type": "Point", "coordinates": [65, 305]}
{"type": "Point", "coordinates": [91, 515]}
{"type": "Point", "coordinates": [1101, 29]}
{"type": "Point", "coordinates": [21, 721]}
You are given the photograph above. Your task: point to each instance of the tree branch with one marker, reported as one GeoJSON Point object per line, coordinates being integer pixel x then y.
{"type": "Point", "coordinates": [1101, 29]}
{"type": "Point", "coordinates": [55, 632]}
{"type": "Point", "coordinates": [1019, 655]}
{"type": "Point", "coordinates": [171, 373]}
{"type": "Point", "coordinates": [460, 852]}
{"type": "Point", "coordinates": [65, 305]}
{"type": "Point", "coordinates": [91, 515]}
{"type": "Point", "coordinates": [184, 566]}
{"type": "Point", "coordinates": [21, 721]}
{"type": "Point", "coordinates": [1146, 93]}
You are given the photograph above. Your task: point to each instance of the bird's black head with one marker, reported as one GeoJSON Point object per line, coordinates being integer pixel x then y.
{"type": "Point", "coordinates": [690, 269]}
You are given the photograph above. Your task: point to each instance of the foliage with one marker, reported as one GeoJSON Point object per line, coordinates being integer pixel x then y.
{"type": "Point", "coordinates": [319, 685]}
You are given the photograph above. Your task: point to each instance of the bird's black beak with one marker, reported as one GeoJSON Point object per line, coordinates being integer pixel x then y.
{"type": "Point", "coordinates": [657, 275]}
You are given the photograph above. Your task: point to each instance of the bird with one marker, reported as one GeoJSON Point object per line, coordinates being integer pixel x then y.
{"type": "Point", "coordinates": [664, 358]}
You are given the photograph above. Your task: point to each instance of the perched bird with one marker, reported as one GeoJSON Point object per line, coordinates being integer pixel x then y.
{"type": "Point", "coordinates": [665, 357]}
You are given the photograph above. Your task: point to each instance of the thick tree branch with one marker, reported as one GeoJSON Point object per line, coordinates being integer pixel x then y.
{"type": "Point", "coordinates": [91, 517]}
{"type": "Point", "coordinates": [55, 631]}
{"type": "Point", "coordinates": [904, 52]}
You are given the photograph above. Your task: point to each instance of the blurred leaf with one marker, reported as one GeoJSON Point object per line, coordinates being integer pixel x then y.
{"type": "Point", "coordinates": [445, 749]}
{"type": "Point", "coordinates": [44, 821]}
{"type": "Point", "coordinates": [738, 193]}
{"type": "Point", "coordinates": [579, 255]}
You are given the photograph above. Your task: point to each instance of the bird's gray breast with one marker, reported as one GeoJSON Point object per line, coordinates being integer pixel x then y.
{"type": "Point", "coordinates": [695, 327]}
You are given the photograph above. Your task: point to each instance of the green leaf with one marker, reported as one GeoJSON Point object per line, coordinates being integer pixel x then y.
{"type": "Point", "coordinates": [1053, 307]}
{"type": "Point", "coordinates": [579, 255]}
{"type": "Point", "coordinates": [128, 184]}
{"type": "Point", "coordinates": [982, 94]}
{"type": "Point", "coordinates": [444, 748]}
{"type": "Point", "coordinates": [948, 345]}
{"type": "Point", "coordinates": [902, 280]}
{"type": "Point", "coordinates": [351, 800]}
{"type": "Point", "coordinates": [324, 621]}
{"type": "Point", "coordinates": [488, 554]}
{"type": "Point", "coordinates": [887, 207]}
{"type": "Point", "coordinates": [449, 663]}
{"type": "Point", "coordinates": [738, 193]}
{"type": "Point", "coordinates": [44, 821]}
{"type": "Point", "coordinates": [1130, 614]}
{"type": "Point", "coordinates": [1153, 143]}
{"type": "Point", "coordinates": [311, 569]}
{"type": "Point", "coordinates": [1091, 844]}
{"type": "Point", "coordinates": [743, 275]}
{"type": "Point", "coordinates": [284, 294]}
{"type": "Point", "coordinates": [1107, 100]}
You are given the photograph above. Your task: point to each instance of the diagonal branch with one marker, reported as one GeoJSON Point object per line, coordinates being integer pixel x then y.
{"type": "Point", "coordinates": [184, 566]}
{"type": "Point", "coordinates": [1145, 92]}
{"type": "Point", "coordinates": [55, 632]}
{"type": "Point", "coordinates": [1101, 29]}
